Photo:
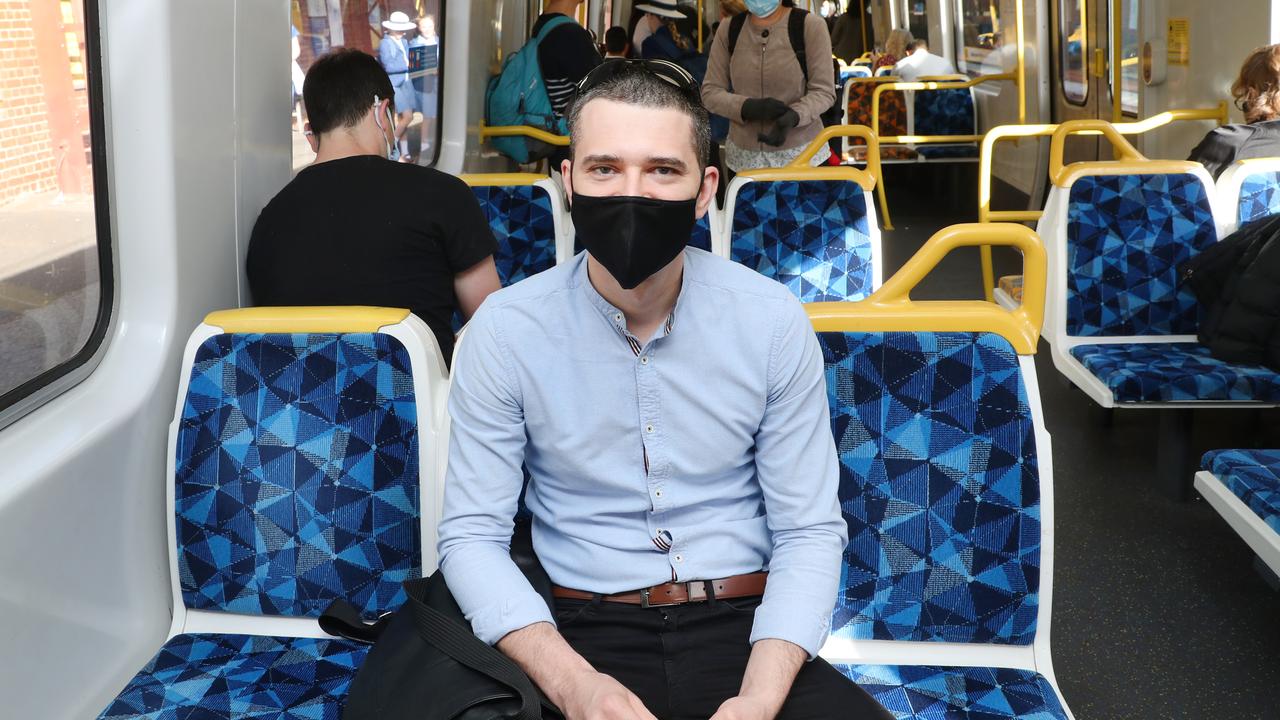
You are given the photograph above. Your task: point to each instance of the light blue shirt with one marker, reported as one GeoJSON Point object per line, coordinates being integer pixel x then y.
{"type": "Point", "coordinates": [705, 453]}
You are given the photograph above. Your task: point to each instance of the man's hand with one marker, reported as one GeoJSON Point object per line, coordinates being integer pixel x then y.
{"type": "Point", "coordinates": [596, 696]}
{"type": "Point", "coordinates": [744, 708]}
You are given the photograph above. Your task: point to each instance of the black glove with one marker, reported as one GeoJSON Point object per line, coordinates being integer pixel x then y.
{"type": "Point", "coordinates": [778, 134]}
{"type": "Point", "coordinates": [762, 109]}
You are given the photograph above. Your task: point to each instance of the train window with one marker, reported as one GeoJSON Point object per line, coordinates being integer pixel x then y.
{"type": "Point", "coordinates": [1130, 50]}
{"type": "Point", "coordinates": [55, 241]}
{"type": "Point", "coordinates": [410, 46]}
{"type": "Point", "coordinates": [1073, 44]}
{"type": "Point", "coordinates": [917, 16]}
{"type": "Point", "coordinates": [979, 35]}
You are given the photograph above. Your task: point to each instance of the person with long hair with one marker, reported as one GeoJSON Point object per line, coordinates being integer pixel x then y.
{"type": "Point", "coordinates": [1257, 94]}
{"type": "Point", "coordinates": [895, 48]}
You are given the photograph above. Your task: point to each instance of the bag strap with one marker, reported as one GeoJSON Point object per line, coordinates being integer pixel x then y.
{"type": "Point", "coordinates": [463, 646]}
{"type": "Point", "coordinates": [343, 620]}
{"type": "Point", "coordinates": [550, 25]}
{"type": "Point", "coordinates": [735, 29]}
{"type": "Point", "coordinates": [795, 32]}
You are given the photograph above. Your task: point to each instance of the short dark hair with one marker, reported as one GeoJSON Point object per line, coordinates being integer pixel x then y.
{"type": "Point", "coordinates": [641, 87]}
{"type": "Point", "coordinates": [341, 86]}
{"type": "Point", "coordinates": [615, 39]}
{"type": "Point", "coordinates": [917, 44]}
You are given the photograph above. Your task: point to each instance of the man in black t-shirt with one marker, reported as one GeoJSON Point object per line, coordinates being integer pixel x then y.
{"type": "Point", "coordinates": [565, 55]}
{"type": "Point", "coordinates": [355, 228]}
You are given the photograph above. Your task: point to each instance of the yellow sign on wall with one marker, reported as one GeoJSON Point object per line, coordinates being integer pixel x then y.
{"type": "Point", "coordinates": [1179, 41]}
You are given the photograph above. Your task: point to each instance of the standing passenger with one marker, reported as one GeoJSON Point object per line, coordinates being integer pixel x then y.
{"type": "Point", "coordinates": [1257, 94]}
{"type": "Point", "coordinates": [671, 411]}
{"type": "Point", "coordinates": [356, 229]}
{"type": "Point", "coordinates": [393, 53]}
{"type": "Point", "coordinates": [755, 80]}
{"type": "Point", "coordinates": [616, 45]}
{"type": "Point", "coordinates": [565, 55]}
{"type": "Point", "coordinates": [427, 82]}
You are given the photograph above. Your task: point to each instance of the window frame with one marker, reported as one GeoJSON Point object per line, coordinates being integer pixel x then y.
{"type": "Point", "coordinates": [1118, 53]}
{"type": "Point", "coordinates": [39, 390]}
{"type": "Point", "coordinates": [972, 68]}
{"type": "Point", "coordinates": [440, 53]}
{"type": "Point", "coordinates": [1084, 52]}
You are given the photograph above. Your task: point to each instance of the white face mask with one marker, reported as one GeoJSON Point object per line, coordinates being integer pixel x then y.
{"type": "Point", "coordinates": [391, 123]}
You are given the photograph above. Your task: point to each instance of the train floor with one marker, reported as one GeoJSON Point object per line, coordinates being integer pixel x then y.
{"type": "Point", "coordinates": [1158, 611]}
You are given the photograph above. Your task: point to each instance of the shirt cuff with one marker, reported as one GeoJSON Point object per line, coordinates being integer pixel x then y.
{"type": "Point", "coordinates": [775, 621]}
{"type": "Point", "coordinates": [516, 611]}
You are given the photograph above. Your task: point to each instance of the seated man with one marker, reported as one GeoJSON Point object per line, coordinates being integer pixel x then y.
{"type": "Point", "coordinates": [355, 228]}
{"type": "Point", "coordinates": [919, 63]}
{"type": "Point", "coordinates": [671, 411]}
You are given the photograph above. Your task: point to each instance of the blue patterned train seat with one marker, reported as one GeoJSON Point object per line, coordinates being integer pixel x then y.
{"type": "Point", "coordinates": [1259, 196]}
{"type": "Point", "coordinates": [701, 238]}
{"type": "Point", "coordinates": [939, 485]}
{"type": "Point", "coordinates": [1253, 476]}
{"type": "Point", "coordinates": [959, 693]}
{"type": "Point", "coordinates": [1126, 237]}
{"type": "Point", "coordinates": [947, 111]}
{"type": "Point", "coordinates": [297, 464]}
{"type": "Point", "coordinates": [523, 221]}
{"type": "Point", "coordinates": [1175, 372]}
{"type": "Point", "coordinates": [814, 236]}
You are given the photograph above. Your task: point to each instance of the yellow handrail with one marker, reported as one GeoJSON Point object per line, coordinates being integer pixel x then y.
{"type": "Point", "coordinates": [1124, 150]}
{"type": "Point", "coordinates": [933, 85]}
{"type": "Point", "coordinates": [1117, 39]}
{"type": "Point", "coordinates": [873, 159]}
{"type": "Point", "coordinates": [492, 131]}
{"type": "Point", "coordinates": [891, 309]}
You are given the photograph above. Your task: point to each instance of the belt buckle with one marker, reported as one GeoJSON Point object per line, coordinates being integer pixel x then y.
{"type": "Point", "coordinates": [644, 600]}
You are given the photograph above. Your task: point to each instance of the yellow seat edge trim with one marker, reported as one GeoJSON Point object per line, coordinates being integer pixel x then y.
{"type": "Point", "coordinates": [890, 309]}
{"type": "Point", "coordinates": [310, 319]}
{"type": "Point", "coordinates": [491, 179]}
{"type": "Point", "coordinates": [825, 172]}
{"type": "Point", "coordinates": [1075, 171]}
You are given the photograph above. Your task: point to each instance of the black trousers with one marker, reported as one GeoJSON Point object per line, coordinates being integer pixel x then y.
{"type": "Point", "coordinates": [683, 661]}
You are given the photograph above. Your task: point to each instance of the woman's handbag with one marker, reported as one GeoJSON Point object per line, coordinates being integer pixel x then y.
{"type": "Point", "coordinates": [426, 664]}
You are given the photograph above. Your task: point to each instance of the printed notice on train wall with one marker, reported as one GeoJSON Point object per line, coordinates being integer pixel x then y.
{"type": "Point", "coordinates": [1179, 41]}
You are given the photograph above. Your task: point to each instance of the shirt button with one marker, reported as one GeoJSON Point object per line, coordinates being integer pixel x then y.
{"type": "Point", "coordinates": [657, 493]}
{"type": "Point", "coordinates": [617, 317]}
{"type": "Point", "coordinates": [679, 558]}
{"type": "Point", "coordinates": [648, 428]}
{"type": "Point", "coordinates": [644, 359]}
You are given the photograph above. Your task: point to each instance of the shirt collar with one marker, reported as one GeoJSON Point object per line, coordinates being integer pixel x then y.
{"type": "Point", "coordinates": [613, 315]}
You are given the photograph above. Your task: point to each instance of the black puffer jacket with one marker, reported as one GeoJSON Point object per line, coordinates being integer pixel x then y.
{"type": "Point", "coordinates": [1242, 323]}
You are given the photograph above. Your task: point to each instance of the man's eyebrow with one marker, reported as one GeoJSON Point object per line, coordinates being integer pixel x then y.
{"type": "Point", "coordinates": [612, 159]}
{"type": "Point", "coordinates": [673, 162]}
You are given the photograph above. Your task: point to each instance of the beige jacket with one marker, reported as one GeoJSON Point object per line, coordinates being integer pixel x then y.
{"type": "Point", "coordinates": [765, 66]}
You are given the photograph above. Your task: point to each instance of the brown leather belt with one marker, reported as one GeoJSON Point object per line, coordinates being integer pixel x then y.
{"type": "Point", "coordinates": [677, 593]}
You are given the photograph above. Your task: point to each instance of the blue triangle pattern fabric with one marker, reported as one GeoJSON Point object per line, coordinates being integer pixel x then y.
{"type": "Point", "coordinates": [1126, 237]}
{"type": "Point", "coordinates": [939, 485]}
{"type": "Point", "coordinates": [1254, 477]}
{"type": "Point", "coordinates": [1259, 196]}
{"type": "Point", "coordinates": [1172, 372]}
{"type": "Point", "coordinates": [217, 677]}
{"type": "Point", "coordinates": [944, 112]}
{"type": "Point", "coordinates": [522, 222]}
{"type": "Point", "coordinates": [922, 692]}
{"type": "Point", "coordinates": [811, 236]}
{"type": "Point", "coordinates": [701, 237]}
{"type": "Point", "coordinates": [297, 474]}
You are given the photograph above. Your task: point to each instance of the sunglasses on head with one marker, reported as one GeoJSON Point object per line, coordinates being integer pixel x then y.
{"type": "Point", "coordinates": [663, 69]}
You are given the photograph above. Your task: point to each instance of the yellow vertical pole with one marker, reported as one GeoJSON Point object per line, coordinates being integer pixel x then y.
{"type": "Point", "coordinates": [699, 27]}
{"type": "Point", "coordinates": [862, 7]}
{"type": "Point", "coordinates": [1022, 70]}
{"type": "Point", "coordinates": [1117, 42]}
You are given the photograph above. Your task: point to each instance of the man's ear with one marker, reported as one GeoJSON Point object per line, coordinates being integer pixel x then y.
{"type": "Point", "coordinates": [566, 175]}
{"type": "Point", "coordinates": [312, 140]}
{"type": "Point", "coordinates": [707, 193]}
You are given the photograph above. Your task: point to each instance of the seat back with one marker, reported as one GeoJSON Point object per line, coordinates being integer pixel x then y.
{"type": "Point", "coordinates": [812, 229]}
{"type": "Point", "coordinates": [526, 214]}
{"type": "Point", "coordinates": [944, 466]}
{"type": "Point", "coordinates": [857, 105]}
{"type": "Point", "coordinates": [1246, 191]}
{"type": "Point", "coordinates": [945, 111]}
{"type": "Point", "coordinates": [305, 457]}
{"type": "Point", "coordinates": [1117, 233]}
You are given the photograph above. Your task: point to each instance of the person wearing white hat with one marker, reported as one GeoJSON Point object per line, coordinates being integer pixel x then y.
{"type": "Point", "coordinates": [393, 53]}
{"type": "Point", "coordinates": [649, 23]}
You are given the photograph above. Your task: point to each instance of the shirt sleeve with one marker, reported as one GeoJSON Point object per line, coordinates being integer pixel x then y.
{"type": "Point", "coordinates": [715, 85]}
{"type": "Point", "coordinates": [468, 239]}
{"type": "Point", "coordinates": [1219, 147]}
{"type": "Point", "coordinates": [482, 487]}
{"type": "Point", "coordinates": [820, 92]}
{"type": "Point", "coordinates": [799, 476]}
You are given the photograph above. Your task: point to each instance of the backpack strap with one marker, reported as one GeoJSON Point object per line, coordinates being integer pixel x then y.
{"type": "Point", "coordinates": [795, 32]}
{"type": "Point", "coordinates": [550, 25]}
{"type": "Point", "coordinates": [735, 29]}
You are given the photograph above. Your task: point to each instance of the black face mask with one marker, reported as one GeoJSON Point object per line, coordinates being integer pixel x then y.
{"type": "Point", "coordinates": [633, 237]}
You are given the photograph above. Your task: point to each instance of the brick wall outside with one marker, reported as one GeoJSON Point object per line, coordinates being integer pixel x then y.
{"type": "Point", "coordinates": [28, 163]}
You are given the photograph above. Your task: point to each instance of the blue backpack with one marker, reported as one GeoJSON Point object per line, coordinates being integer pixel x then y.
{"type": "Point", "coordinates": [518, 96]}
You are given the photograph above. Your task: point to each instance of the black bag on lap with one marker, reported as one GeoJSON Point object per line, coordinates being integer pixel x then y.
{"type": "Point", "coordinates": [426, 664]}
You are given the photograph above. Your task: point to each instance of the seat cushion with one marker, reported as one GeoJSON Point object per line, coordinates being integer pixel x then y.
{"type": "Point", "coordinates": [1259, 196]}
{"type": "Point", "coordinates": [958, 693]}
{"type": "Point", "coordinates": [1175, 372]}
{"type": "Point", "coordinates": [1254, 476]}
{"type": "Point", "coordinates": [523, 223]}
{"type": "Point", "coordinates": [219, 677]}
